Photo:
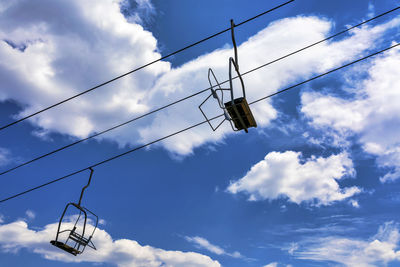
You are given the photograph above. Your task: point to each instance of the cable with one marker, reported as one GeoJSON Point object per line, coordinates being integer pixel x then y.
{"type": "Point", "coordinates": [142, 67]}
{"type": "Point", "coordinates": [187, 97]}
{"type": "Point", "coordinates": [195, 125]}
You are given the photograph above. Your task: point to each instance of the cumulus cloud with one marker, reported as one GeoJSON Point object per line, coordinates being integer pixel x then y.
{"type": "Point", "coordinates": [287, 175]}
{"type": "Point", "coordinates": [123, 252]}
{"type": "Point", "coordinates": [62, 47]}
{"type": "Point", "coordinates": [377, 251]}
{"type": "Point", "coordinates": [205, 244]}
{"type": "Point", "coordinates": [372, 115]}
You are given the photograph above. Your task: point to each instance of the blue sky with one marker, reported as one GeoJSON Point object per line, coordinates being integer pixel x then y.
{"type": "Point", "coordinates": [315, 184]}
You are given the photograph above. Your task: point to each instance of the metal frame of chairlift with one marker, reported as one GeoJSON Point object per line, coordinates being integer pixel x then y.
{"type": "Point", "coordinates": [78, 239]}
{"type": "Point", "coordinates": [236, 111]}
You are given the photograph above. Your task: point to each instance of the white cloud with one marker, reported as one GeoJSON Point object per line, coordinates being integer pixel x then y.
{"type": "Point", "coordinates": [300, 180]}
{"type": "Point", "coordinates": [293, 247]}
{"type": "Point", "coordinates": [373, 115]}
{"type": "Point", "coordinates": [141, 12]}
{"type": "Point", "coordinates": [67, 46]}
{"type": "Point", "coordinates": [205, 244]}
{"type": "Point", "coordinates": [70, 46]}
{"type": "Point", "coordinates": [354, 203]}
{"type": "Point", "coordinates": [377, 251]}
{"type": "Point", "coordinates": [30, 214]}
{"type": "Point", "coordinates": [123, 252]}
{"type": "Point", "coordinates": [275, 264]}
{"type": "Point", "coordinates": [4, 156]}
{"type": "Point", "coordinates": [1, 218]}
{"type": "Point", "coordinates": [266, 45]}
{"type": "Point", "coordinates": [371, 10]}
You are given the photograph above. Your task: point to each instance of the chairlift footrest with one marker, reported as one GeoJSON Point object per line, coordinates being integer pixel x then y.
{"type": "Point", "coordinates": [78, 239]}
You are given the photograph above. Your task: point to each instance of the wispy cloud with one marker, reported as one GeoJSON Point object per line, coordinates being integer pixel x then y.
{"type": "Point", "coordinates": [376, 251]}
{"type": "Point", "coordinates": [4, 156]}
{"type": "Point", "coordinates": [293, 247]}
{"type": "Point", "coordinates": [30, 214]}
{"type": "Point", "coordinates": [371, 10]}
{"type": "Point", "coordinates": [205, 244]}
{"type": "Point", "coordinates": [340, 225]}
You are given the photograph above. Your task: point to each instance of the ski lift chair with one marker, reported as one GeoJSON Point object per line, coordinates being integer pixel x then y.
{"type": "Point", "coordinates": [77, 237]}
{"type": "Point", "coordinates": [237, 110]}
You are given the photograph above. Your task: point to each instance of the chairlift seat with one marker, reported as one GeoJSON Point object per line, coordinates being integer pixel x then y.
{"type": "Point", "coordinates": [65, 247]}
{"type": "Point", "coordinates": [244, 111]}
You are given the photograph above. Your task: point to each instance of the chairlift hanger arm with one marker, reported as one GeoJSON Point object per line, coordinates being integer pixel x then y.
{"type": "Point", "coordinates": [86, 186]}
{"type": "Point", "coordinates": [235, 63]}
{"type": "Point", "coordinates": [234, 41]}
{"type": "Point", "coordinates": [236, 66]}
